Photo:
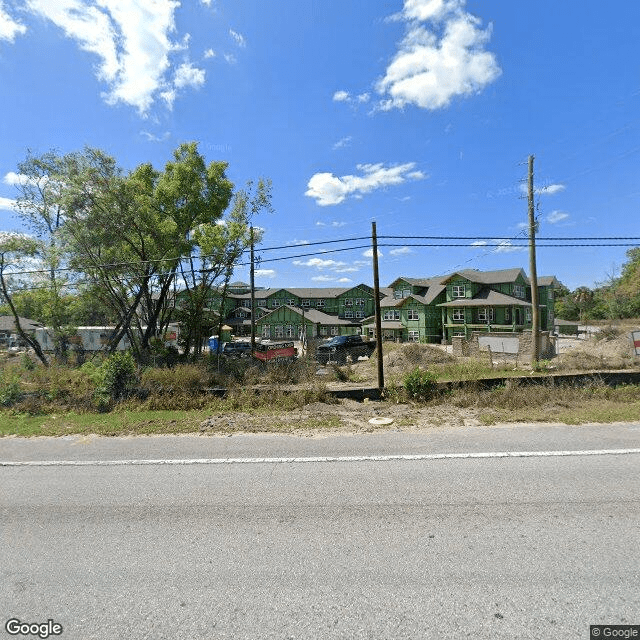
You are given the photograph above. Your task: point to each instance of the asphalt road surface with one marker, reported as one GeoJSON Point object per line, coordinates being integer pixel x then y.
{"type": "Point", "coordinates": [379, 536]}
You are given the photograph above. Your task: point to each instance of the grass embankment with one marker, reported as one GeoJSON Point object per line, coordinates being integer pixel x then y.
{"type": "Point", "coordinates": [62, 400]}
{"type": "Point", "coordinates": [101, 399]}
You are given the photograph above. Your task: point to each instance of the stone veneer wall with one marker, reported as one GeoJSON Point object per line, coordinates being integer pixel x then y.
{"type": "Point", "coordinates": [462, 347]}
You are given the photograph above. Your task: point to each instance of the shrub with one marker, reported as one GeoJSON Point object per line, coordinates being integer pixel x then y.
{"type": "Point", "coordinates": [420, 384]}
{"type": "Point", "coordinates": [9, 390]}
{"type": "Point", "coordinates": [119, 378]}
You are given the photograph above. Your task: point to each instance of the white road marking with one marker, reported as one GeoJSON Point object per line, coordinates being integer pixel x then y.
{"type": "Point", "coordinates": [381, 458]}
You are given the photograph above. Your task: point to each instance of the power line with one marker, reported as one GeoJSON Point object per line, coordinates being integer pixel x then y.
{"type": "Point", "coordinates": [437, 241]}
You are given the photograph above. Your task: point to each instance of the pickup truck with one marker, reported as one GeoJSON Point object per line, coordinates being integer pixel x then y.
{"type": "Point", "coordinates": [339, 348]}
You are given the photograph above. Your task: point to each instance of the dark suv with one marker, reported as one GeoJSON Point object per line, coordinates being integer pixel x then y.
{"type": "Point", "coordinates": [237, 349]}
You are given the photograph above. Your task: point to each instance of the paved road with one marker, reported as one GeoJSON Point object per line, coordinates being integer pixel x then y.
{"type": "Point", "coordinates": [526, 547]}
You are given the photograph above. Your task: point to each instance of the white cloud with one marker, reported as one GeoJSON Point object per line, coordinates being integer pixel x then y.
{"type": "Point", "coordinates": [318, 263]}
{"type": "Point", "coordinates": [152, 137]}
{"type": "Point", "coordinates": [548, 190]}
{"type": "Point", "coordinates": [551, 189]}
{"type": "Point", "coordinates": [345, 96]}
{"type": "Point", "coordinates": [238, 38]}
{"type": "Point", "coordinates": [265, 273]}
{"type": "Point", "coordinates": [506, 246]}
{"type": "Point", "coordinates": [331, 279]}
{"type": "Point", "coordinates": [230, 58]}
{"type": "Point", "coordinates": [343, 142]}
{"type": "Point", "coordinates": [503, 246]}
{"type": "Point", "coordinates": [401, 251]}
{"type": "Point", "coordinates": [557, 216]}
{"type": "Point", "coordinates": [132, 41]}
{"type": "Point", "coordinates": [328, 189]}
{"type": "Point", "coordinates": [15, 179]}
{"type": "Point", "coordinates": [6, 204]}
{"type": "Point", "coordinates": [335, 224]}
{"type": "Point", "coordinates": [188, 76]}
{"type": "Point", "coordinates": [438, 62]}
{"type": "Point", "coordinates": [369, 253]}
{"type": "Point", "coordinates": [209, 53]}
{"type": "Point", "coordinates": [9, 28]}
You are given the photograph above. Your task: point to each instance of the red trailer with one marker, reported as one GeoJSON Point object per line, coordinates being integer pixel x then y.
{"type": "Point", "coordinates": [275, 351]}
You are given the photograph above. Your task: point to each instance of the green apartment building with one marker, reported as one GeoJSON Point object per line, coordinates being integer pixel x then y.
{"type": "Point", "coordinates": [412, 309]}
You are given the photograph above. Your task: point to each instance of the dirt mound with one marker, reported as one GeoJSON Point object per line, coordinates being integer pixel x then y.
{"type": "Point", "coordinates": [409, 356]}
{"type": "Point", "coordinates": [614, 353]}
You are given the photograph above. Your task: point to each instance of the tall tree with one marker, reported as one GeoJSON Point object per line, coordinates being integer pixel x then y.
{"type": "Point", "coordinates": [219, 247]}
{"type": "Point", "coordinates": [39, 207]}
{"type": "Point", "coordinates": [15, 250]}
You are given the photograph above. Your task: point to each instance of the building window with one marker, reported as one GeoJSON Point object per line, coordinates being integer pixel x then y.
{"type": "Point", "coordinates": [414, 336]}
{"type": "Point", "coordinates": [401, 293]}
{"type": "Point", "coordinates": [324, 331]}
{"type": "Point", "coordinates": [348, 302]}
{"type": "Point", "coordinates": [276, 303]}
{"type": "Point", "coordinates": [306, 303]}
{"type": "Point", "coordinates": [459, 290]}
{"type": "Point", "coordinates": [412, 314]}
{"type": "Point", "coordinates": [458, 315]}
{"type": "Point", "coordinates": [359, 314]}
{"type": "Point", "coordinates": [279, 331]}
{"type": "Point", "coordinates": [518, 291]}
{"type": "Point", "coordinates": [290, 331]}
{"type": "Point", "coordinates": [291, 302]}
{"type": "Point", "coordinates": [485, 315]}
{"type": "Point", "coordinates": [348, 314]}
{"type": "Point", "coordinates": [261, 303]}
{"type": "Point", "coordinates": [334, 331]}
{"type": "Point", "coordinates": [266, 330]}
{"type": "Point", "coordinates": [527, 313]}
{"type": "Point", "coordinates": [359, 302]}
{"type": "Point", "coordinates": [320, 303]}
{"type": "Point", "coordinates": [507, 315]}
{"type": "Point", "coordinates": [391, 315]}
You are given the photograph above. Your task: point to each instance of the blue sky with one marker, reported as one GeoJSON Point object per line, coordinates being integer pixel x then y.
{"type": "Point", "coordinates": [419, 114]}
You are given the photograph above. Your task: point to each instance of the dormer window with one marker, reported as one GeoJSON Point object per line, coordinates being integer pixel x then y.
{"type": "Point", "coordinates": [518, 291]}
{"type": "Point", "coordinates": [459, 291]}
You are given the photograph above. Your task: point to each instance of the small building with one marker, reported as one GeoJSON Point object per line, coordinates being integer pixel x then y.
{"type": "Point", "coordinates": [9, 333]}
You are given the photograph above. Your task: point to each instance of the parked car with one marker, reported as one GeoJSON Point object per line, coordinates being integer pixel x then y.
{"type": "Point", "coordinates": [339, 348]}
{"type": "Point", "coordinates": [236, 349]}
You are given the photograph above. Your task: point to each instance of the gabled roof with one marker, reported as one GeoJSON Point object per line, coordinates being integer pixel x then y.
{"type": "Point", "coordinates": [548, 281]}
{"type": "Point", "coordinates": [314, 316]}
{"type": "Point", "coordinates": [489, 277]}
{"type": "Point", "coordinates": [487, 298]}
{"type": "Point", "coordinates": [7, 323]}
{"type": "Point", "coordinates": [432, 293]}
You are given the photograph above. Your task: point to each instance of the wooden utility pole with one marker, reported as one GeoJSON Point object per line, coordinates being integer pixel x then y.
{"type": "Point", "coordinates": [253, 295]}
{"type": "Point", "coordinates": [376, 301]}
{"type": "Point", "coordinates": [535, 311]}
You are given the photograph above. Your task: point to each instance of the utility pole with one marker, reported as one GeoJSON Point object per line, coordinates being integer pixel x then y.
{"type": "Point", "coordinates": [535, 322]}
{"type": "Point", "coordinates": [376, 298]}
{"type": "Point", "coordinates": [253, 295]}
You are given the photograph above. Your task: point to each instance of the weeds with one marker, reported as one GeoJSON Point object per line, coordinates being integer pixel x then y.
{"type": "Point", "coordinates": [420, 385]}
